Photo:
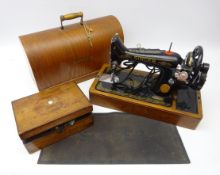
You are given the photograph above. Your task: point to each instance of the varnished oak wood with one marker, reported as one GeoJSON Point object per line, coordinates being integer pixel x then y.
{"type": "Point", "coordinates": [54, 137]}
{"type": "Point", "coordinates": [49, 108]}
{"type": "Point", "coordinates": [57, 56]}
{"type": "Point", "coordinates": [153, 111]}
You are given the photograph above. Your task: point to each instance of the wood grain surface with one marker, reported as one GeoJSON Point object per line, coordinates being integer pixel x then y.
{"type": "Point", "coordinates": [57, 56]}
{"type": "Point", "coordinates": [150, 110]}
{"type": "Point", "coordinates": [51, 107]}
{"type": "Point", "coordinates": [53, 137]}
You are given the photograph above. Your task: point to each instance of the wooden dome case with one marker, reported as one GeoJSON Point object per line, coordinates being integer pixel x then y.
{"type": "Point", "coordinates": [73, 52]}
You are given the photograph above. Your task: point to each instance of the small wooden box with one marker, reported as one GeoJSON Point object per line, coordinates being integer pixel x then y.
{"type": "Point", "coordinates": [166, 114]}
{"type": "Point", "coordinates": [51, 115]}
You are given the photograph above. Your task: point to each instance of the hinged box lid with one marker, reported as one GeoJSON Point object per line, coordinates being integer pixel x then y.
{"type": "Point", "coordinates": [51, 107]}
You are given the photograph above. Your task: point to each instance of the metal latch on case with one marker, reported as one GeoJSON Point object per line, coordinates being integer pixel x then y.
{"type": "Point", "coordinates": [61, 127]}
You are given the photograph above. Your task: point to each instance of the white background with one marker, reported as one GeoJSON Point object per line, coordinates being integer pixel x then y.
{"type": "Point", "coordinates": [154, 24]}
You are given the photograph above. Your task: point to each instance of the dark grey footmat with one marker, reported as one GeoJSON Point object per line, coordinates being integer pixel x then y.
{"type": "Point", "coordinates": [119, 138]}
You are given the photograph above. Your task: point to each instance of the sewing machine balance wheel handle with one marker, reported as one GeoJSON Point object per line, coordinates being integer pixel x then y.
{"type": "Point", "coordinates": [200, 69]}
{"type": "Point", "coordinates": [71, 16]}
{"type": "Point", "coordinates": [197, 55]}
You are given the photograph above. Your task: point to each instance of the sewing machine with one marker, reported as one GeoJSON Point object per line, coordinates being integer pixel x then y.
{"type": "Point", "coordinates": [170, 69]}
{"type": "Point", "coordinates": [168, 88]}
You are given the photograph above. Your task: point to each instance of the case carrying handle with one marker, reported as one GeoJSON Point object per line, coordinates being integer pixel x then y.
{"type": "Point", "coordinates": [71, 16]}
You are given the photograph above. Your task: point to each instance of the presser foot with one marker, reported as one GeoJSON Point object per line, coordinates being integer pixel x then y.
{"type": "Point", "coordinates": [109, 78]}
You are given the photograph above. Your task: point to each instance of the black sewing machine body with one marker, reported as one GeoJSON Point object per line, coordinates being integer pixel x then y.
{"type": "Point", "coordinates": [167, 70]}
{"type": "Point", "coordinates": [151, 57]}
{"type": "Point", "coordinates": [168, 89]}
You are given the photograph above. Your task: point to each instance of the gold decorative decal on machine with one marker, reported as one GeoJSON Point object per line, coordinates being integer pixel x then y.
{"type": "Point", "coordinates": [164, 88]}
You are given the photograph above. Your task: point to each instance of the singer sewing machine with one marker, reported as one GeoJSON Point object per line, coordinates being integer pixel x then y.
{"type": "Point", "coordinates": [166, 82]}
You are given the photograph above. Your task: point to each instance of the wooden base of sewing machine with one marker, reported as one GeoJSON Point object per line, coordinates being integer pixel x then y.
{"type": "Point", "coordinates": [172, 114]}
